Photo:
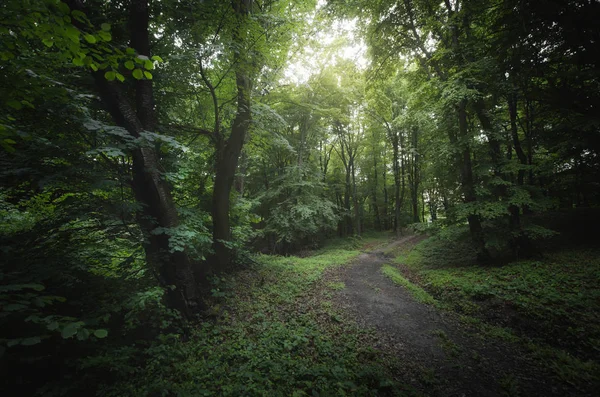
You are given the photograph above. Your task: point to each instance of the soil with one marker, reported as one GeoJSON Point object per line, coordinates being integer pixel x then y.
{"type": "Point", "coordinates": [434, 351]}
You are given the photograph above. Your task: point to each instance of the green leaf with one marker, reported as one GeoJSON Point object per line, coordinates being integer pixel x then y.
{"type": "Point", "coordinates": [105, 27]}
{"type": "Point", "coordinates": [13, 307]}
{"type": "Point", "coordinates": [80, 16]}
{"type": "Point", "coordinates": [148, 64]}
{"type": "Point", "coordinates": [100, 333]}
{"type": "Point", "coordinates": [71, 329]}
{"type": "Point", "coordinates": [89, 38]}
{"type": "Point", "coordinates": [120, 77]}
{"type": "Point", "coordinates": [94, 67]}
{"type": "Point", "coordinates": [83, 334]}
{"type": "Point", "coordinates": [105, 36]}
{"type": "Point", "coordinates": [130, 51]}
{"type": "Point", "coordinates": [52, 326]}
{"type": "Point", "coordinates": [138, 74]}
{"type": "Point", "coordinates": [110, 75]}
{"type": "Point", "coordinates": [72, 33]}
{"type": "Point", "coordinates": [48, 43]}
{"type": "Point", "coordinates": [130, 65]}
{"type": "Point", "coordinates": [64, 8]}
{"type": "Point", "coordinates": [148, 75]}
{"type": "Point", "coordinates": [77, 62]}
{"type": "Point", "coordinates": [157, 58]}
{"type": "Point", "coordinates": [15, 104]}
{"type": "Point", "coordinates": [31, 341]}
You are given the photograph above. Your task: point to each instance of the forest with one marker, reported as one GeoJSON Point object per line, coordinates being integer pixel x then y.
{"type": "Point", "coordinates": [299, 197]}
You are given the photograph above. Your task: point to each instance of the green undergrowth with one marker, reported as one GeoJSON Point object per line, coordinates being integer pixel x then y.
{"type": "Point", "coordinates": [272, 334]}
{"type": "Point", "coordinates": [417, 292]}
{"type": "Point", "coordinates": [551, 304]}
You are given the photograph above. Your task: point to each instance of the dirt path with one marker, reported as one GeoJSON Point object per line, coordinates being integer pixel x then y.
{"type": "Point", "coordinates": [450, 359]}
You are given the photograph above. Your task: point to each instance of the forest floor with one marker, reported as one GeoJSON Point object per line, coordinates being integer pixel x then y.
{"type": "Point", "coordinates": [376, 316]}
{"type": "Point", "coordinates": [441, 355]}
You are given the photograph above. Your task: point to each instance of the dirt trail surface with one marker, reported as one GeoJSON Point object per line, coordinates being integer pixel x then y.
{"type": "Point", "coordinates": [442, 356]}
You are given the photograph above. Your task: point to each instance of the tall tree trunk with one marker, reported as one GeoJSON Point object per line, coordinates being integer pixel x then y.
{"type": "Point", "coordinates": [386, 217]}
{"type": "Point", "coordinates": [415, 177]}
{"type": "Point", "coordinates": [347, 194]}
{"type": "Point", "coordinates": [228, 153]}
{"type": "Point", "coordinates": [521, 244]}
{"type": "Point", "coordinates": [374, 194]}
{"type": "Point", "coordinates": [150, 188]}
{"type": "Point", "coordinates": [396, 169]}
{"type": "Point", "coordinates": [468, 186]}
{"type": "Point", "coordinates": [355, 198]}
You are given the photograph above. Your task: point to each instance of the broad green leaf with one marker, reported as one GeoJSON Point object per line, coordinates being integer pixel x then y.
{"type": "Point", "coordinates": [31, 341]}
{"type": "Point", "coordinates": [71, 329]}
{"type": "Point", "coordinates": [94, 67]}
{"type": "Point", "coordinates": [157, 58]}
{"type": "Point", "coordinates": [148, 75]}
{"type": "Point", "coordinates": [13, 307]}
{"type": "Point", "coordinates": [138, 74]}
{"type": "Point", "coordinates": [105, 36]}
{"type": "Point", "coordinates": [89, 38]}
{"type": "Point", "coordinates": [80, 16]}
{"type": "Point", "coordinates": [63, 7]}
{"type": "Point", "coordinates": [148, 64]}
{"type": "Point", "coordinates": [52, 326]}
{"type": "Point", "coordinates": [105, 27]}
{"type": "Point", "coordinates": [77, 62]}
{"type": "Point", "coordinates": [130, 65]}
{"type": "Point", "coordinates": [83, 334]}
{"type": "Point", "coordinates": [15, 104]}
{"type": "Point", "coordinates": [110, 75]}
{"type": "Point", "coordinates": [72, 33]}
{"type": "Point", "coordinates": [48, 43]}
{"type": "Point", "coordinates": [100, 333]}
{"type": "Point", "coordinates": [120, 77]}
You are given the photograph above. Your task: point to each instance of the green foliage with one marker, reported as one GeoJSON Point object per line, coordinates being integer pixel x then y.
{"type": "Point", "coordinates": [268, 338]}
{"type": "Point", "coordinates": [550, 302]}
{"type": "Point", "coordinates": [417, 292]}
{"type": "Point", "coordinates": [298, 211]}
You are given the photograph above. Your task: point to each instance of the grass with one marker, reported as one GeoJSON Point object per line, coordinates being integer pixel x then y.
{"type": "Point", "coordinates": [417, 292]}
{"type": "Point", "coordinates": [550, 305]}
{"type": "Point", "coordinates": [276, 335]}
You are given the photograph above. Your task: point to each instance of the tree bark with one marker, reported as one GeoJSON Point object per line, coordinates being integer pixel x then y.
{"type": "Point", "coordinates": [468, 186]}
{"type": "Point", "coordinates": [228, 152]}
{"type": "Point", "coordinates": [396, 169]}
{"type": "Point", "coordinates": [375, 187]}
{"type": "Point", "coordinates": [159, 215]}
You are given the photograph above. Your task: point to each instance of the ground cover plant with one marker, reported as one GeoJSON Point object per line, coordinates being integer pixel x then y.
{"type": "Point", "coordinates": [269, 334]}
{"type": "Point", "coordinates": [549, 303]}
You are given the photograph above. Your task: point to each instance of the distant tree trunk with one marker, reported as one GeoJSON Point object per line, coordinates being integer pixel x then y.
{"type": "Point", "coordinates": [521, 244]}
{"type": "Point", "coordinates": [228, 152]}
{"type": "Point", "coordinates": [423, 207]}
{"type": "Point", "coordinates": [396, 169]}
{"type": "Point", "coordinates": [377, 219]}
{"type": "Point", "coordinates": [347, 194]}
{"type": "Point", "coordinates": [386, 218]}
{"type": "Point", "coordinates": [355, 198]}
{"type": "Point", "coordinates": [414, 177]}
{"type": "Point", "coordinates": [468, 185]}
{"type": "Point", "coordinates": [149, 186]}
